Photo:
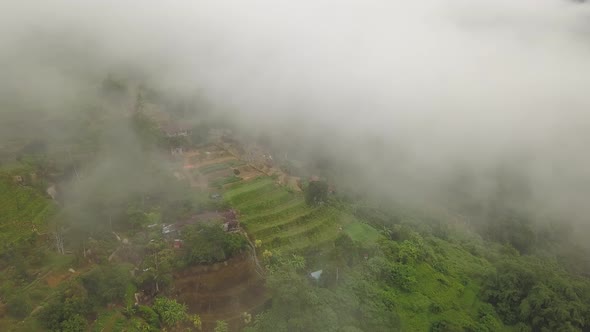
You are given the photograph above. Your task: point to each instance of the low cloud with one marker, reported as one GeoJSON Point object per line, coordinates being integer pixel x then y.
{"type": "Point", "coordinates": [406, 92]}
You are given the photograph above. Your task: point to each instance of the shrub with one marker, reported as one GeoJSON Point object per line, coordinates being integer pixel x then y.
{"type": "Point", "coordinates": [141, 326]}
{"type": "Point", "coordinates": [221, 326]}
{"type": "Point", "coordinates": [209, 244]}
{"type": "Point", "coordinates": [444, 326]}
{"type": "Point", "coordinates": [394, 274]}
{"type": "Point", "coordinates": [435, 308]}
{"type": "Point", "coordinates": [196, 320]}
{"type": "Point", "coordinates": [18, 306]}
{"type": "Point", "coordinates": [233, 244]}
{"type": "Point", "coordinates": [59, 315]}
{"type": "Point", "coordinates": [170, 311]}
{"type": "Point", "coordinates": [75, 323]}
{"type": "Point", "coordinates": [316, 193]}
{"type": "Point", "coordinates": [149, 315]}
{"type": "Point", "coordinates": [106, 284]}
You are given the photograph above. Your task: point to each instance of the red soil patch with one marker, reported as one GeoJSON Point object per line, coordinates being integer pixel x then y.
{"type": "Point", "coordinates": [222, 291]}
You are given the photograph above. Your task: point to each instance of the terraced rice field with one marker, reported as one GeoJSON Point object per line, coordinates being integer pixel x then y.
{"type": "Point", "coordinates": [276, 215]}
{"type": "Point", "coordinates": [280, 218]}
{"type": "Point", "coordinates": [215, 173]}
{"type": "Point", "coordinates": [269, 212]}
{"type": "Point", "coordinates": [220, 182]}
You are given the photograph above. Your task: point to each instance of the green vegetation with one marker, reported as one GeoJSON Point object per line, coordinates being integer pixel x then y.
{"type": "Point", "coordinates": [246, 187]}
{"type": "Point", "coordinates": [108, 256]}
{"type": "Point", "coordinates": [316, 193]}
{"type": "Point", "coordinates": [157, 266]}
{"type": "Point", "coordinates": [220, 182]}
{"type": "Point", "coordinates": [279, 217]}
{"type": "Point", "coordinates": [422, 277]}
{"type": "Point", "coordinates": [361, 232]}
{"type": "Point", "coordinates": [221, 326]}
{"type": "Point", "coordinates": [306, 305]}
{"type": "Point", "coordinates": [103, 285]}
{"type": "Point", "coordinates": [82, 296]}
{"type": "Point", "coordinates": [413, 275]}
{"type": "Point", "coordinates": [25, 210]}
{"type": "Point", "coordinates": [206, 243]}
{"type": "Point", "coordinates": [283, 221]}
{"type": "Point", "coordinates": [171, 312]}
{"type": "Point", "coordinates": [539, 294]}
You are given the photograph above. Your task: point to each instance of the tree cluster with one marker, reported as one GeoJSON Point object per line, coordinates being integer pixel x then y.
{"type": "Point", "coordinates": [209, 243]}
{"type": "Point", "coordinates": [538, 295]}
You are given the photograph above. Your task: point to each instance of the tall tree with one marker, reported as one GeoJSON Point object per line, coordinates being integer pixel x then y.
{"type": "Point", "coordinates": [316, 193]}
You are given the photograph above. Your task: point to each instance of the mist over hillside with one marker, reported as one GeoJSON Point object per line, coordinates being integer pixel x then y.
{"type": "Point", "coordinates": [224, 165]}
{"type": "Point", "coordinates": [405, 94]}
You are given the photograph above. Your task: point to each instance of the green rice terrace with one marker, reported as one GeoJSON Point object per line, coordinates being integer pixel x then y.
{"type": "Point", "coordinates": [282, 220]}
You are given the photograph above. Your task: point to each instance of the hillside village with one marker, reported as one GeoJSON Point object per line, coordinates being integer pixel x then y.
{"type": "Point", "coordinates": [253, 198]}
{"type": "Point", "coordinates": [294, 166]}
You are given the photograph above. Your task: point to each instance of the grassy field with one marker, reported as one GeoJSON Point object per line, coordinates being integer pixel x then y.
{"type": "Point", "coordinates": [24, 210]}
{"type": "Point", "coordinates": [361, 232]}
{"type": "Point", "coordinates": [450, 295]}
